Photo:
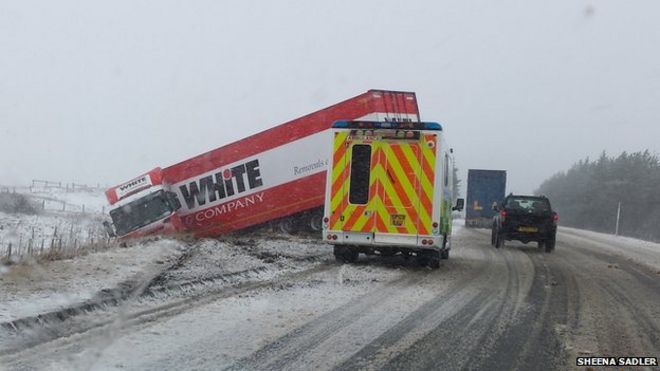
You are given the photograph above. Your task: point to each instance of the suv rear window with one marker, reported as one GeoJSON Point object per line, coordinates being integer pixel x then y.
{"type": "Point", "coordinates": [533, 204]}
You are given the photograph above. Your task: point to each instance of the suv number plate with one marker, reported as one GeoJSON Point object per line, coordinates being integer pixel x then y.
{"type": "Point", "coordinates": [528, 229]}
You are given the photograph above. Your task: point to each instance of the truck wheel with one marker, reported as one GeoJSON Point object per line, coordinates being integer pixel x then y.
{"type": "Point", "coordinates": [550, 245]}
{"type": "Point", "coordinates": [315, 222]}
{"type": "Point", "coordinates": [285, 226]}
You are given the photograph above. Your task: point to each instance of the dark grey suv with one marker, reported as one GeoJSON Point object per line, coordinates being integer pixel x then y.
{"type": "Point", "coordinates": [525, 219]}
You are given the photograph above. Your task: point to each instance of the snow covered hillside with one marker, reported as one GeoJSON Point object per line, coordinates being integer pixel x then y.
{"type": "Point", "coordinates": [36, 221]}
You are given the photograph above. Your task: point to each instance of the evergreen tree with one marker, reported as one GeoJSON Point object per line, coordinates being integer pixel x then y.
{"type": "Point", "coordinates": [587, 195]}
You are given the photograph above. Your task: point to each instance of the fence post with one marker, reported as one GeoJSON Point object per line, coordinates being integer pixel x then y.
{"type": "Point", "coordinates": [9, 251]}
{"type": "Point", "coordinates": [52, 241]}
{"type": "Point", "coordinates": [30, 243]}
{"type": "Point", "coordinates": [618, 216]}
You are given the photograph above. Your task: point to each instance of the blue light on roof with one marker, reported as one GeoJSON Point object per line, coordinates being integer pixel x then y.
{"type": "Point", "coordinates": [344, 124]}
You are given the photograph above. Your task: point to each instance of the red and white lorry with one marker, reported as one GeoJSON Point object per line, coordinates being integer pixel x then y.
{"type": "Point", "coordinates": [276, 176]}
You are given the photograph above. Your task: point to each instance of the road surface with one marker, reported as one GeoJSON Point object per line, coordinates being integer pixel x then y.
{"type": "Point", "coordinates": [484, 309]}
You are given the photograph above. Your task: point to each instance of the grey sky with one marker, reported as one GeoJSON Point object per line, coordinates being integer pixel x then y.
{"type": "Point", "coordinates": [102, 91]}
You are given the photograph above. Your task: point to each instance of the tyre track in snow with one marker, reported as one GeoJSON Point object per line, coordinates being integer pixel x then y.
{"type": "Point", "coordinates": [485, 308]}
{"type": "Point", "coordinates": [618, 299]}
{"type": "Point", "coordinates": [477, 326]}
{"type": "Point", "coordinates": [73, 337]}
{"type": "Point", "coordinates": [518, 308]}
{"type": "Point", "coordinates": [305, 346]}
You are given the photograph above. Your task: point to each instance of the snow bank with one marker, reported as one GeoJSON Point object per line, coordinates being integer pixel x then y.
{"type": "Point", "coordinates": [51, 226]}
{"type": "Point", "coordinates": [642, 252]}
{"type": "Point", "coordinates": [29, 289]}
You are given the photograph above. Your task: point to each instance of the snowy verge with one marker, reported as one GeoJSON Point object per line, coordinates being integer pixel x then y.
{"type": "Point", "coordinates": [641, 252]}
{"type": "Point", "coordinates": [32, 288]}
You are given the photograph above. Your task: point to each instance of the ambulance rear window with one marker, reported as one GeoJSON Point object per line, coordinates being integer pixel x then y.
{"type": "Point", "coordinates": [360, 172]}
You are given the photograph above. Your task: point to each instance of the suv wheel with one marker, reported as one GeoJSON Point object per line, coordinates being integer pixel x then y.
{"type": "Point", "coordinates": [550, 245]}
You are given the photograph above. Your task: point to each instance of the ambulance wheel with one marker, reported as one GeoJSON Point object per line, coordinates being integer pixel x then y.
{"type": "Point", "coordinates": [387, 252]}
{"type": "Point", "coordinates": [429, 259]}
{"type": "Point", "coordinates": [434, 259]}
{"type": "Point", "coordinates": [344, 254]}
{"type": "Point", "coordinates": [444, 255]}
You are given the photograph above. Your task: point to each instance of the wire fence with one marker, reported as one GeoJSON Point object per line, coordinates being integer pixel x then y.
{"type": "Point", "coordinates": [50, 203]}
{"type": "Point", "coordinates": [63, 242]}
{"type": "Point", "coordinates": [53, 204]}
{"type": "Point", "coordinates": [38, 223]}
{"type": "Point", "coordinates": [38, 184]}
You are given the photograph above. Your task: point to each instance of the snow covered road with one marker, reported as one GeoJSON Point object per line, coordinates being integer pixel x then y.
{"type": "Point", "coordinates": [287, 305]}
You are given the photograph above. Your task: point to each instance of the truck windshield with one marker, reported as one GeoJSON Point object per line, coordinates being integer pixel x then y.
{"type": "Point", "coordinates": [141, 212]}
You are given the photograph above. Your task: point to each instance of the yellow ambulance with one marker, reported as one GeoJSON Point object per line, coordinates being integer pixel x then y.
{"type": "Point", "coordinates": [389, 191]}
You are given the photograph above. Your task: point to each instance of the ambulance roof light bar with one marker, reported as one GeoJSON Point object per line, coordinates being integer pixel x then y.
{"type": "Point", "coordinates": [343, 124]}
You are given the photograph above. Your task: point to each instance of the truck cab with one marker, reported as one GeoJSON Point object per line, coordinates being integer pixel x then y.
{"type": "Point", "coordinates": [144, 206]}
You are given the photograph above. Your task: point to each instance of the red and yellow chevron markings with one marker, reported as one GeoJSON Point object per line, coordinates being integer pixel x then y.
{"type": "Point", "coordinates": [400, 186]}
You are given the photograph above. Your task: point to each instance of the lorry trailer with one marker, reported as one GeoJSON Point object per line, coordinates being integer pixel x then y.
{"type": "Point", "coordinates": [485, 188]}
{"type": "Point", "coordinates": [275, 176]}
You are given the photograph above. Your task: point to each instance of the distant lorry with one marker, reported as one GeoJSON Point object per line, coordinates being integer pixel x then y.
{"type": "Point", "coordinates": [389, 190]}
{"type": "Point", "coordinates": [275, 176]}
{"type": "Point", "coordinates": [485, 188]}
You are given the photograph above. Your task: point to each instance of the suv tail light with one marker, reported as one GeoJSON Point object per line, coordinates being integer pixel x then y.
{"type": "Point", "coordinates": [502, 216]}
{"type": "Point", "coordinates": [555, 217]}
